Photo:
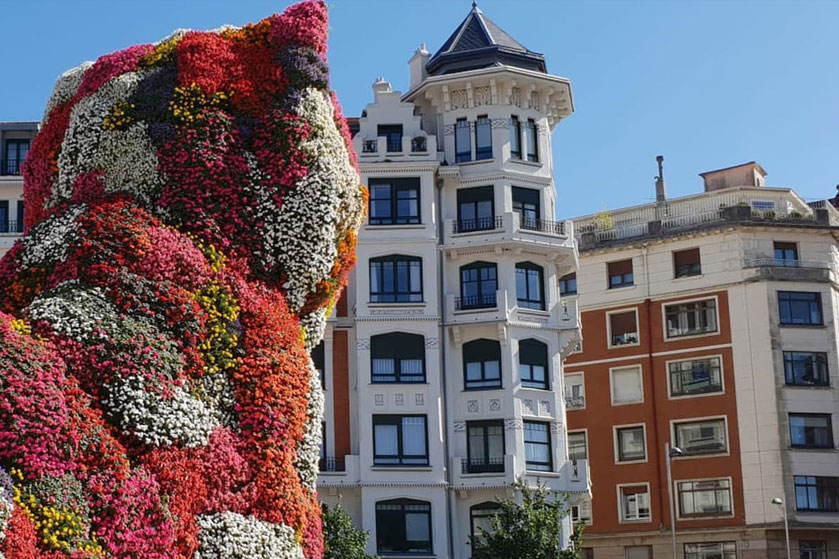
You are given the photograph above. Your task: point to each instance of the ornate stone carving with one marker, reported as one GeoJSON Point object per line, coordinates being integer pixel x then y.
{"type": "Point", "coordinates": [459, 426]}
{"type": "Point", "coordinates": [362, 344]}
{"type": "Point", "coordinates": [400, 399]}
{"type": "Point", "coordinates": [544, 407]}
{"type": "Point", "coordinates": [483, 96]}
{"type": "Point", "coordinates": [472, 406]}
{"type": "Point", "coordinates": [432, 343]}
{"type": "Point", "coordinates": [419, 399]}
{"type": "Point", "coordinates": [495, 404]}
{"type": "Point", "coordinates": [515, 96]}
{"type": "Point", "coordinates": [513, 425]}
{"type": "Point", "coordinates": [527, 407]}
{"type": "Point", "coordinates": [459, 99]}
{"type": "Point", "coordinates": [379, 399]}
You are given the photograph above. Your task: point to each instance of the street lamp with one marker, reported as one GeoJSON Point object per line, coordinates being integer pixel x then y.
{"type": "Point", "coordinates": [780, 502]}
{"type": "Point", "coordinates": [670, 453]}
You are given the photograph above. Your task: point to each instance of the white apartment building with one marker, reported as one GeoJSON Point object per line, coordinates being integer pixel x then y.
{"type": "Point", "coordinates": [15, 139]}
{"type": "Point", "coordinates": [443, 363]}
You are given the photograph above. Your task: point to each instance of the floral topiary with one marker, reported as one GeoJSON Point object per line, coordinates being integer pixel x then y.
{"type": "Point", "coordinates": [192, 208]}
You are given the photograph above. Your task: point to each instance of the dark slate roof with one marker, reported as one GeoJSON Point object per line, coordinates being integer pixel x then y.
{"type": "Point", "coordinates": [479, 43]}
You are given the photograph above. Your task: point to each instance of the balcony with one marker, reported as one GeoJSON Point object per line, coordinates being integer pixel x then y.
{"type": "Point", "coordinates": [485, 308]}
{"type": "Point", "coordinates": [11, 227]}
{"type": "Point", "coordinates": [482, 465]}
{"type": "Point", "coordinates": [509, 230]}
{"type": "Point", "coordinates": [332, 464]}
{"type": "Point", "coordinates": [10, 167]}
{"type": "Point", "coordinates": [394, 148]}
{"type": "Point", "coordinates": [772, 269]}
{"type": "Point", "coordinates": [339, 471]}
{"type": "Point", "coordinates": [482, 474]}
{"type": "Point", "coordinates": [475, 302]}
{"type": "Point", "coordinates": [575, 402]}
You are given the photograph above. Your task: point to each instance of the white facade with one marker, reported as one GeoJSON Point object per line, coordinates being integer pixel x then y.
{"type": "Point", "coordinates": [15, 139]}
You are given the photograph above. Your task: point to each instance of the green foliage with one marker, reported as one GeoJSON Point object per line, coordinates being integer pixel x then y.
{"type": "Point", "coordinates": [342, 540]}
{"type": "Point", "coordinates": [528, 529]}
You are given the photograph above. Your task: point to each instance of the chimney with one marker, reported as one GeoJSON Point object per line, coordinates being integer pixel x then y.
{"type": "Point", "coordinates": [660, 186]}
{"type": "Point", "coordinates": [417, 65]}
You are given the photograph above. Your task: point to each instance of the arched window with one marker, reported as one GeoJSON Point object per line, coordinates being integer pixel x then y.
{"type": "Point", "coordinates": [396, 279]}
{"type": "Point", "coordinates": [403, 526]}
{"type": "Point", "coordinates": [530, 291]}
{"type": "Point", "coordinates": [480, 517]}
{"type": "Point", "coordinates": [533, 364]}
{"type": "Point", "coordinates": [482, 364]}
{"type": "Point", "coordinates": [397, 357]}
{"type": "Point", "coordinates": [478, 283]}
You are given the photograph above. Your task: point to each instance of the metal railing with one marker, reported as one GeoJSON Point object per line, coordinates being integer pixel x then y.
{"type": "Point", "coordinates": [332, 464]}
{"type": "Point", "coordinates": [482, 465]}
{"type": "Point", "coordinates": [542, 225]}
{"type": "Point", "coordinates": [419, 144]}
{"type": "Point", "coordinates": [479, 224]}
{"type": "Point", "coordinates": [784, 263]}
{"type": "Point", "coordinates": [370, 146]}
{"type": "Point", "coordinates": [573, 403]}
{"type": "Point", "coordinates": [10, 166]}
{"type": "Point", "coordinates": [487, 301]}
{"type": "Point", "coordinates": [11, 227]}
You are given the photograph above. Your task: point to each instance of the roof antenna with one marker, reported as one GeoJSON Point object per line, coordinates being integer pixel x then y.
{"type": "Point", "coordinates": [474, 3]}
{"type": "Point", "coordinates": [660, 186]}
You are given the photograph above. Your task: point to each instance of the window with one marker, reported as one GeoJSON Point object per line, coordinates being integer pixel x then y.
{"type": "Point", "coordinates": [695, 376]}
{"type": "Point", "coordinates": [537, 446]}
{"type": "Point", "coordinates": [805, 368]}
{"type": "Point", "coordinates": [529, 291]}
{"type": "Point", "coordinates": [4, 216]}
{"type": "Point", "coordinates": [526, 205]}
{"type": "Point", "coordinates": [515, 137]}
{"type": "Point", "coordinates": [623, 328]}
{"type": "Point", "coordinates": [620, 274]}
{"type": "Point", "coordinates": [400, 440]}
{"type": "Point", "coordinates": [690, 319]}
{"type": "Point", "coordinates": [575, 391]}
{"type": "Point", "coordinates": [485, 446]}
{"type": "Point", "coordinates": [587, 552]}
{"type": "Point", "coordinates": [707, 436]}
{"type": "Point", "coordinates": [480, 518]}
{"type": "Point", "coordinates": [16, 151]}
{"type": "Point", "coordinates": [483, 138]}
{"type": "Point", "coordinates": [686, 263]}
{"type": "Point", "coordinates": [577, 445]}
{"type": "Point", "coordinates": [396, 279]}
{"type": "Point", "coordinates": [812, 549]}
{"type": "Point", "coordinates": [638, 552]}
{"type": "Point", "coordinates": [397, 357]}
{"type": "Point", "coordinates": [817, 493]}
{"type": "Point", "coordinates": [631, 444]}
{"type": "Point", "coordinates": [403, 526]}
{"type": "Point", "coordinates": [478, 284]}
{"type": "Point", "coordinates": [393, 133]}
{"type": "Point", "coordinates": [634, 502]}
{"type": "Point", "coordinates": [568, 285]}
{"type": "Point", "coordinates": [810, 430]}
{"type": "Point", "coordinates": [531, 138]}
{"type": "Point", "coordinates": [533, 364]}
{"type": "Point", "coordinates": [20, 217]}
{"type": "Point", "coordinates": [627, 387]}
{"type": "Point", "coordinates": [581, 513]}
{"type": "Point", "coordinates": [319, 362]}
{"type": "Point", "coordinates": [711, 550]}
{"type": "Point", "coordinates": [482, 364]}
{"type": "Point", "coordinates": [786, 254]}
{"type": "Point", "coordinates": [704, 498]}
{"type": "Point", "coordinates": [462, 143]}
{"type": "Point", "coordinates": [800, 307]}
{"type": "Point", "coordinates": [475, 209]}
{"type": "Point", "coordinates": [394, 202]}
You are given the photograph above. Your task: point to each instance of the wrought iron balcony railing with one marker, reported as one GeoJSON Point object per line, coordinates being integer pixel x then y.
{"type": "Point", "coordinates": [479, 224]}
{"type": "Point", "coordinates": [482, 465]}
{"type": "Point", "coordinates": [332, 464]}
{"type": "Point", "coordinates": [487, 301]}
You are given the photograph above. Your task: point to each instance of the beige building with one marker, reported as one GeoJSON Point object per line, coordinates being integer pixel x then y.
{"type": "Point", "coordinates": [15, 139]}
{"type": "Point", "coordinates": [710, 325]}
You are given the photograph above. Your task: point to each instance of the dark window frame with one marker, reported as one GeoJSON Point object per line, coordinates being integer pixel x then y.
{"type": "Point", "coordinates": [486, 463]}
{"type": "Point", "coordinates": [483, 152]}
{"type": "Point", "coordinates": [486, 297]}
{"type": "Point", "coordinates": [527, 301]}
{"type": "Point", "coordinates": [531, 133]}
{"type": "Point", "coordinates": [814, 488]}
{"type": "Point", "coordinates": [473, 352]}
{"type": "Point", "coordinates": [829, 443]}
{"type": "Point", "coordinates": [475, 197]}
{"type": "Point", "coordinates": [528, 204]}
{"type": "Point", "coordinates": [462, 155]}
{"type": "Point", "coordinates": [566, 287]}
{"type": "Point", "coordinates": [532, 465]}
{"type": "Point", "coordinates": [684, 265]}
{"type": "Point", "coordinates": [398, 346]}
{"type": "Point", "coordinates": [786, 300]}
{"type": "Point", "coordinates": [5, 222]}
{"type": "Point", "coordinates": [402, 460]}
{"type": "Point", "coordinates": [528, 359]}
{"type": "Point", "coordinates": [11, 164]}
{"type": "Point", "coordinates": [621, 457]}
{"type": "Point", "coordinates": [695, 486]}
{"type": "Point", "coordinates": [817, 362]}
{"type": "Point", "coordinates": [785, 253]}
{"type": "Point", "coordinates": [21, 228]}
{"type": "Point", "coordinates": [478, 511]}
{"type": "Point", "coordinates": [812, 549]}
{"type": "Point", "coordinates": [393, 134]}
{"type": "Point", "coordinates": [515, 137]}
{"type": "Point", "coordinates": [713, 367]}
{"type": "Point", "coordinates": [318, 355]}
{"type": "Point", "coordinates": [619, 279]}
{"type": "Point", "coordinates": [400, 509]}
{"type": "Point", "coordinates": [396, 188]}
{"type": "Point", "coordinates": [396, 296]}
{"type": "Point", "coordinates": [584, 435]}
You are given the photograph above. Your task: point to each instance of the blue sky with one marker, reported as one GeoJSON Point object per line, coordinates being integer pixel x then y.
{"type": "Point", "coordinates": [707, 84]}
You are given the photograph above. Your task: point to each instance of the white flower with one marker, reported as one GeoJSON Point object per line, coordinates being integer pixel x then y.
{"type": "Point", "coordinates": [308, 449]}
{"type": "Point", "coordinates": [48, 241]}
{"type": "Point", "coordinates": [229, 535]}
{"type": "Point", "coordinates": [130, 163]}
{"type": "Point", "coordinates": [66, 86]}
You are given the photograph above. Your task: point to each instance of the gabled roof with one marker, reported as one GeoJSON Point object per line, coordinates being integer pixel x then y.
{"type": "Point", "coordinates": [478, 43]}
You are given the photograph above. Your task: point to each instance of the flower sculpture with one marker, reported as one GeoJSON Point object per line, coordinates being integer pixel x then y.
{"type": "Point", "coordinates": [192, 207]}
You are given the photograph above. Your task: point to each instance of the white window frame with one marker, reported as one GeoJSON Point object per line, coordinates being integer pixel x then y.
{"type": "Point", "coordinates": [670, 302]}
{"type": "Point", "coordinates": [616, 443]}
{"type": "Point", "coordinates": [582, 376]}
{"type": "Point", "coordinates": [695, 358]}
{"type": "Point", "coordinates": [568, 438]}
{"type": "Point", "coordinates": [623, 520]}
{"type": "Point", "coordinates": [681, 518]}
{"type": "Point", "coordinates": [724, 418]}
{"type": "Point", "coordinates": [577, 519]}
{"type": "Point", "coordinates": [721, 544]}
{"type": "Point", "coordinates": [612, 371]}
{"type": "Point", "coordinates": [609, 328]}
